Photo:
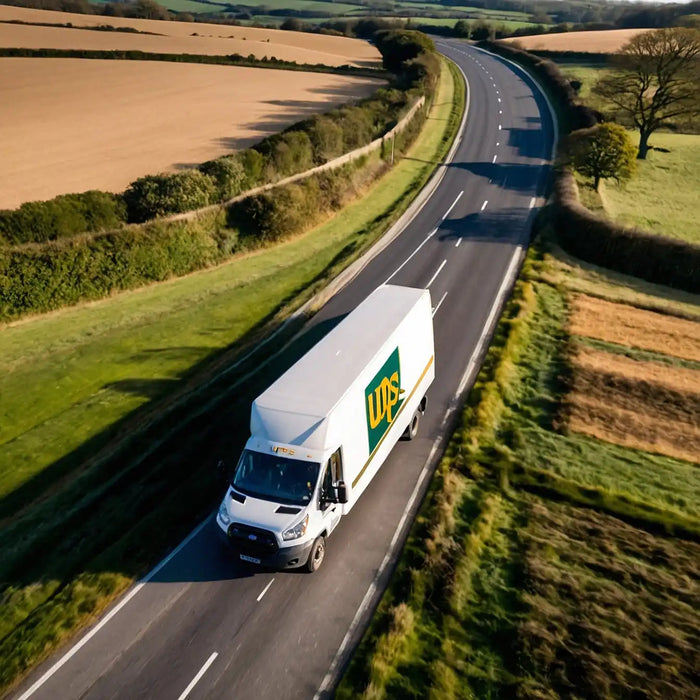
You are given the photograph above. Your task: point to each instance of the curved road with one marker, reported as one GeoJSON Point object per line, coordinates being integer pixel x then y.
{"type": "Point", "coordinates": [201, 625]}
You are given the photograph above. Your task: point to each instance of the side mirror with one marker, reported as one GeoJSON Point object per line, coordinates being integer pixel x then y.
{"type": "Point", "coordinates": [342, 490]}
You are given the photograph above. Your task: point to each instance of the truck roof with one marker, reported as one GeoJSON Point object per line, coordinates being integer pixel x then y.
{"type": "Point", "coordinates": [320, 379]}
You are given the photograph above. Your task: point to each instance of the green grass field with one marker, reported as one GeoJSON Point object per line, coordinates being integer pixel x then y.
{"type": "Point", "coordinates": [105, 373]}
{"type": "Point", "coordinates": [541, 563]}
{"type": "Point", "coordinates": [662, 196]}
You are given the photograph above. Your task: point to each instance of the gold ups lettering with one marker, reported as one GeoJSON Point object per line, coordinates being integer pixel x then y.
{"type": "Point", "coordinates": [382, 399]}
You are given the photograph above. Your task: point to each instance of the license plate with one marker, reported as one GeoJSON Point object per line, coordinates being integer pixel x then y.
{"type": "Point", "coordinates": [252, 560]}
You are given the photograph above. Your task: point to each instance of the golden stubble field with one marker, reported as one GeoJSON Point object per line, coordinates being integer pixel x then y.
{"type": "Point", "coordinates": [179, 37]}
{"type": "Point", "coordinates": [609, 41]}
{"type": "Point", "coordinates": [70, 125]}
{"type": "Point", "coordinates": [644, 404]}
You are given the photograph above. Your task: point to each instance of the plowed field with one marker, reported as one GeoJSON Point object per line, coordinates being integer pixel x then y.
{"type": "Point", "coordinates": [608, 41]}
{"type": "Point", "coordinates": [179, 37]}
{"type": "Point", "coordinates": [70, 125]}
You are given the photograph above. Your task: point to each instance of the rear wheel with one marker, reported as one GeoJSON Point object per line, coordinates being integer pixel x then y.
{"type": "Point", "coordinates": [316, 555]}
{"type": "Point", "coordinates": [412, 429]}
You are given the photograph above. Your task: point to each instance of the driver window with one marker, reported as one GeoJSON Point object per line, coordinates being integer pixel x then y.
{"type": "Point", "coordinates": [327, 485]}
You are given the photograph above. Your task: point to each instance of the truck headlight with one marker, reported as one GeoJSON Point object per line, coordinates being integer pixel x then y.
{"type": "Point", "coordinates": [299, 530]}
{"type": "Point", "coordinates": [223, 514]}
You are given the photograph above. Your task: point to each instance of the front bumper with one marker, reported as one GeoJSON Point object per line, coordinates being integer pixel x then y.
{"type": "Point", "coordinates": [290, 557]}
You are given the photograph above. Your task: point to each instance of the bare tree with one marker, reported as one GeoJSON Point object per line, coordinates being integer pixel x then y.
{"type": "Point", "coordinates": [656, 79]}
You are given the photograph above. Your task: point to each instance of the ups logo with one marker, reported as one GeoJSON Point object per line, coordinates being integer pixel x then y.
{"type": "Point", "coordinates": [382, 399]}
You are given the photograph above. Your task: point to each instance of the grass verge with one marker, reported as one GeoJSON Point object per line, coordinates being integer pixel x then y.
{"type": "Point", "coordinates": [543, 563]}
{"type": "Point", "coordinates": [98, 510]}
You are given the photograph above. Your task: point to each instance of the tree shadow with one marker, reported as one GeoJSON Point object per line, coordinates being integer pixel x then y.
{"type": "Point", "coordinates": [511, 176]}
{"type": "Point", "coordinates": [499, 226]}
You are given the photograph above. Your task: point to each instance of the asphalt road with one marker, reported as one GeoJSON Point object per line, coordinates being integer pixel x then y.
{"type": "Point", "coordinates": [203, 625]}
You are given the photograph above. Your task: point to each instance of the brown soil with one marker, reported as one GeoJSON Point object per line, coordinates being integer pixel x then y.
{"type": "Point", "coordinates": [642, 405]}
{"type": "Point", "coordinates": [608, 41]}
{"type": "Point", "coordinates": [627, 325]}
{"type": "Point", "coordinates": [177, 37]}
{"type": "Point", "coordinates": [114, 121]}
{"type": "Point", "coordinates": [613, 609]}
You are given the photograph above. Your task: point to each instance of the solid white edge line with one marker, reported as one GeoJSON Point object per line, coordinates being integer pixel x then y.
{"type": "Point", "coordinates": [437, 272]}
{"type": "Point", "coordinates": [398, 269]}
{"type": "Point", "coordinates": [265, 590]}
{"type": "Point", "coordinates": [198, 677]}
{"type": "Point", "coordinates": [447, 213]}
{"type": "Point", "coordinates": [483, 206]}
{"type": "Point", "coordinates": [465, 380]}
{"type": "Point", "coordinates": [439, 304]}
{"type": "Point", "coordinates": [364, 605]}
{"type": "Point", "coordinates": [79, 645]}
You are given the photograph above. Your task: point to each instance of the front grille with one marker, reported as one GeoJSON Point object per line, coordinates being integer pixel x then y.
{"type": "Point", "coordinates": [252, 540]}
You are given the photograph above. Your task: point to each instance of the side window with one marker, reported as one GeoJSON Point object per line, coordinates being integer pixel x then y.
{"type": "Point", "coordinates": [336, 466]}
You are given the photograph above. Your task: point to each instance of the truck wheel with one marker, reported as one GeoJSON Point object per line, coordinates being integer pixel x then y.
{"type": "Point", "coordinates": [412, 429]}
{"type": "Point", "coordinates": [316, 555]}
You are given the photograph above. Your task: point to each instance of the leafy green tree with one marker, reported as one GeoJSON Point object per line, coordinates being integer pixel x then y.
{"type": "Point", "coordinates": [158, 195]}
{"type": "Point", "coordinates": [657, 79]}
{"type": "Point", "coordinates": [601, 152]}
{"type": "Point", "coordinates": [462, 29]}
{"type": "Point", "coordinates": [228, 176]}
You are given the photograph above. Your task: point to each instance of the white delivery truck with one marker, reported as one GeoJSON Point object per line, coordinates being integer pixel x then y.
{"type": "Point", "coordinates": [322, 430]}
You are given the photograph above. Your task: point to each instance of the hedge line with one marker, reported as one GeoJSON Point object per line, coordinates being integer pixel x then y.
{"type": "Point", "coordinates": [298, 148]}
{"type": "Point", "coordinates": [631, 251]}
{"type": "Point", "coordinates": [37, 277]}
{"type": "Point", "coordinates": [599, 241]}
{"type": "Point", "coordinates": [234, 59]}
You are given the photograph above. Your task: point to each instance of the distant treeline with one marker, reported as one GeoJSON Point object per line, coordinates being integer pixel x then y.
{"type": "Point", "coordinates": [77, 246]}
{"type": "Point", "coordinates": [234, 59]}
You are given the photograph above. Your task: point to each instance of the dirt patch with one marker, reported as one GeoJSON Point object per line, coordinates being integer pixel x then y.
{"type": "Point", "coordinates": [613, 609]}
{"type": "Point", "coordinates": [180, 37]}
{"type": "Point", "coordinates": [642, 405]}
{"type": "Point", "coordinates": [627, 325]}
{"type": "Point", "coordinates": [608, 41]}
{"type": "Point", "coordinates": [114, 121]}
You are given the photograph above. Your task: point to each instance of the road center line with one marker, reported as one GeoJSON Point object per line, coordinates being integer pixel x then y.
{"type": "Point", "coordinates": [532, 202]}
{"type": "Point", "coordinates": [265, 590]}
{"type": "Point", "coordinates": [459, 240]}
{"type": "Point", "coordinates": [483, 206]}
{"type": "Point", "coordinates": [437, 272]}
{"type": "Point", "coordinates": [435, 310]}
{"type": "Point", "coordinates": [398, 269]}
{"type": "Point", "coordinates": [198, 677]}
{"type": "Point", "coordinates": [447, 213]}
{"type": "Point", "coordinates": [494, 159]}
{"type": "Point", "coordinates": [499, 127]}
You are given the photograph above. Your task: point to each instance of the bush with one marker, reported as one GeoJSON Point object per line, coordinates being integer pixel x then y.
{"type": "Point", "coordinates": [326, 137]}
{"type": "Point", "coordinates": [228, 176]}
{"type": "Point", "coordinates": [63, 216]}
{"type": "Point", "coordinates": [158, 195]}
{"type": "Point", "coordinates": [286, 154]}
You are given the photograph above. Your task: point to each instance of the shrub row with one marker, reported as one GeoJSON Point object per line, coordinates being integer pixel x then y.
{"type": "Point", "coordinates": [601, 242]}
{"type": "Point", "coordinates": [587, 236]}
{"type": "Point", "coordinates": [298, 148]}
{"type": "Point", "coordinates": [234, 59]}
{"type": "Point", "coordinates": [575, 115]}
{"type": "Point", "coordinates": [43, 276]}
{"type": "Point", "coordinates": [65, 215]}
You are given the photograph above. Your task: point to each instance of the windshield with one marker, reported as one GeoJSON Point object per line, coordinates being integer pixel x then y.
{"type": "Point", "coordinates": [275, 478]}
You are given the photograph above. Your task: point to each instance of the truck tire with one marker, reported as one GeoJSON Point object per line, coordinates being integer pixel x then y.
{"type": "Point", "coordinates": [412, 428]}
{"type": "Point", "coordinates": [316, 555]}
